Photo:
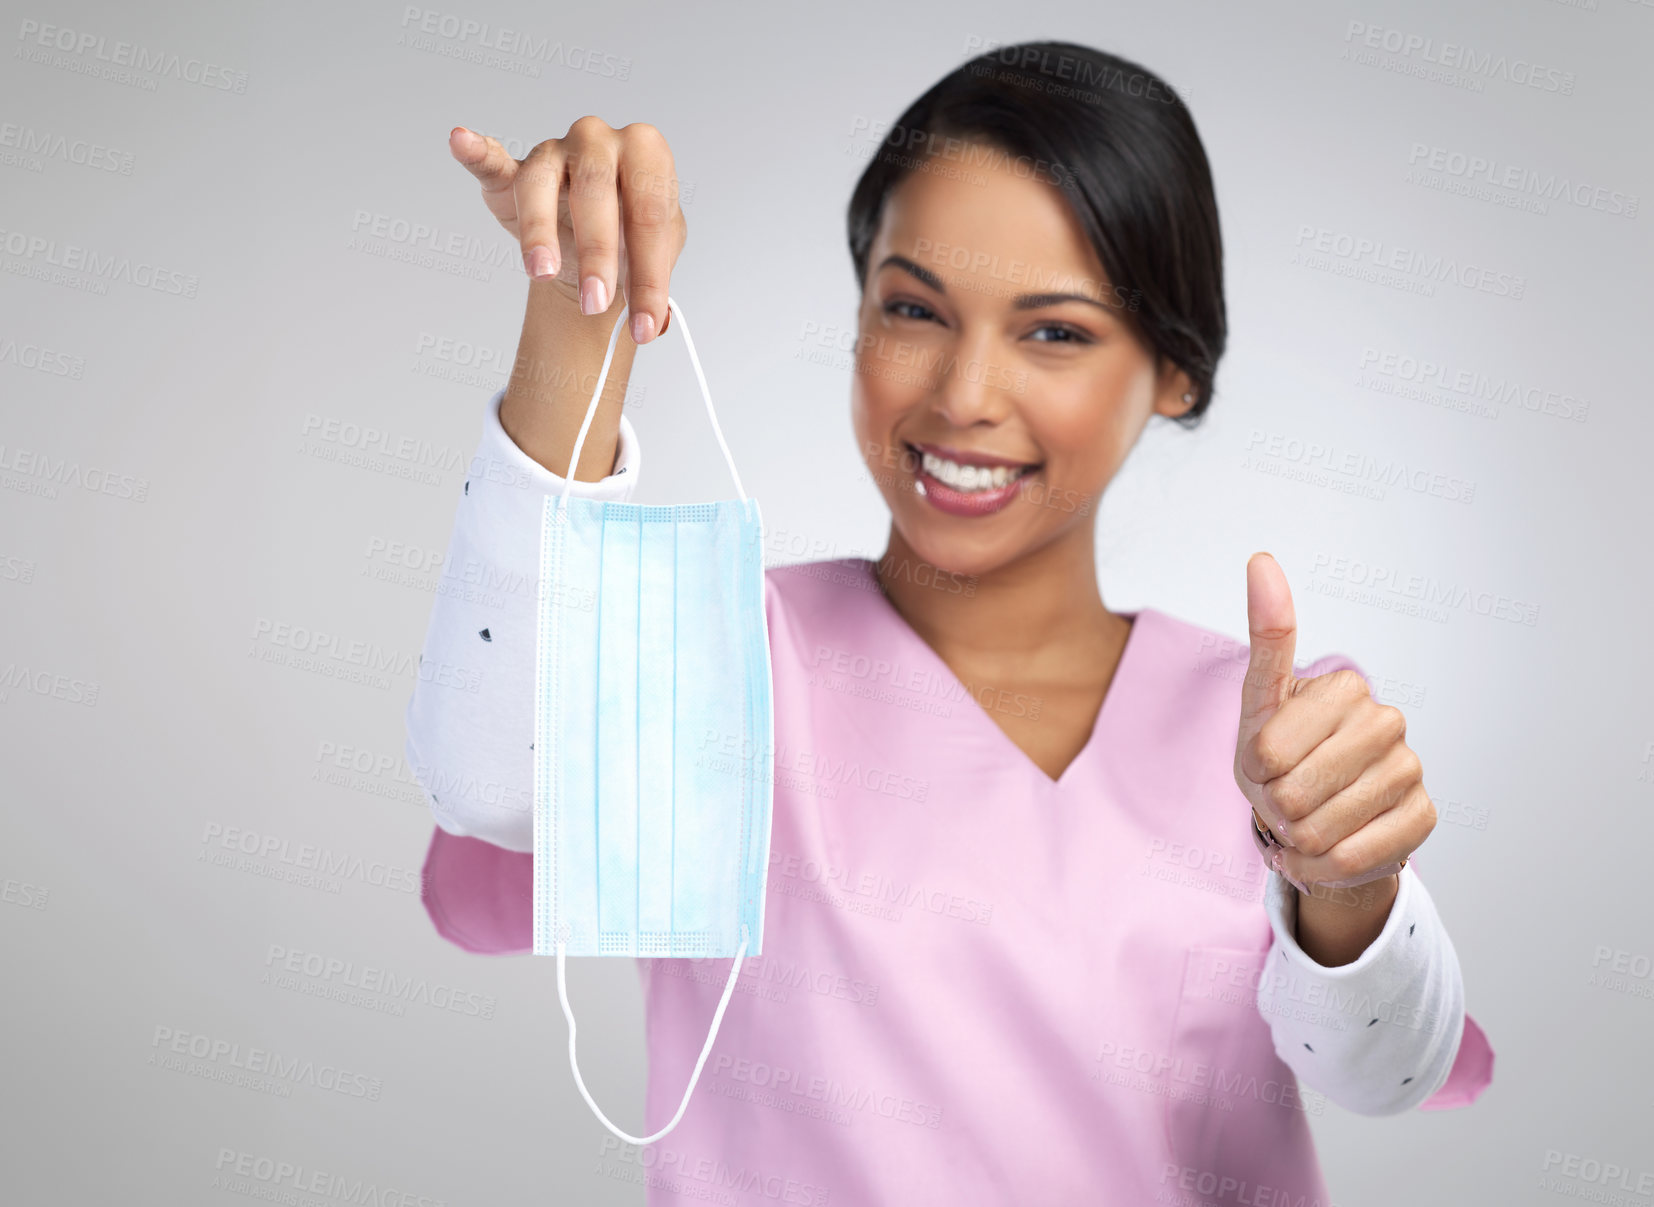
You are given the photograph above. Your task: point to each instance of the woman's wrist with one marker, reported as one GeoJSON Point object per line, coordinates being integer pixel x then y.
{"type": "Point", "coordinates": [1335, 925]}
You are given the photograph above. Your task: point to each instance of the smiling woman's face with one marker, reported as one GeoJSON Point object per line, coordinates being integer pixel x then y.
{"type": "Point", "coordinates": [957, 356]}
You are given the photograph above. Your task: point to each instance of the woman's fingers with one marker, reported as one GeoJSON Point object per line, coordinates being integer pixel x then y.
{"type": "Point", "coordinates": [494, 169]}
{"type": "Point", "coordinates": [1374, 851]}
{"type": "Point", "coordinates": [1364, 735]}
{"type": "Point", "coordinates": [1377, 788]}
{"type": "Point", "coordinates": [652, 230]}
{"type": "Point", "coordinates": [594, 210]}
{"type": "Point", "coordinates": [537, 186]}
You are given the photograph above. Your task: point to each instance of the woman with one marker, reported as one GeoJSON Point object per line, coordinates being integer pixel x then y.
{"type": "Point", "coordinates": [1022, 944]}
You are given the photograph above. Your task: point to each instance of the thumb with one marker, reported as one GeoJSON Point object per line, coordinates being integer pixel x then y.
{"type": "Point", "coordinates": [1272, 627]}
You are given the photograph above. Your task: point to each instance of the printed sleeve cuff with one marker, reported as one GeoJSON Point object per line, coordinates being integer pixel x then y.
{"type": "Point", "coordinates": [506, 490]}
{"type": "Point", "coordinates": [1378, 1035]}
{"type": "Point", "coordinates": [500, 460]}
{"type": "Point", "coordinates": [1281, 903]}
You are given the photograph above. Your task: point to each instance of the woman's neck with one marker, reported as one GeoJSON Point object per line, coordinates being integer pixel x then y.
{"type": "Point", "coordinates": [1044, 604]}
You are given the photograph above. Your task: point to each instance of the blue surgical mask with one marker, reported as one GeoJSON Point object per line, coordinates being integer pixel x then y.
{"type": "Point", "coordinates": [654, 732]}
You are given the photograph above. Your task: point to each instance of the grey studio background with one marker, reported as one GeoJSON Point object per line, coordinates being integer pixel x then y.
{"type": "Point", "coordinates": [185, 468]}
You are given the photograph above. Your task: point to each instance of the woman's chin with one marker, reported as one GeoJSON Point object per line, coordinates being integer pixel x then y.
{"type": "Point", "coordinates": [962, 555]}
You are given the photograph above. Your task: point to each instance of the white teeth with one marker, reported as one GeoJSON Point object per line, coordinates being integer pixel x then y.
{"type": "Point", "coordinates": [969, 478]}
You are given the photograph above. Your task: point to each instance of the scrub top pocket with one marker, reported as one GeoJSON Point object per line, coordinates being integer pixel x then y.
{"type": "Point", "coordinates": [1227, 1095]}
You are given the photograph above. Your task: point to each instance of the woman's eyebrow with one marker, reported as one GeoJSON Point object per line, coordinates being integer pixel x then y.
{"type": "Point", "coordinates": [1022, 301]}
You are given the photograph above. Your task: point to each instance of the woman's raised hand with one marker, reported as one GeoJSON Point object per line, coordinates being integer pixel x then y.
{"type": "Point", "coordinates": [596, 213]}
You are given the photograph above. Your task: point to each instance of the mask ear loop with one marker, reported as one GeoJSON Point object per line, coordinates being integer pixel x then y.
{"type": "Point", "coordinates": [717, 1019]}
{"type": "Point", "coordinates": [603, 376]}
{"type": "Point", "coordinates": [741, 952]}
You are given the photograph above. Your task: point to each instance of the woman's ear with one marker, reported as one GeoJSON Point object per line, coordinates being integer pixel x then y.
{"type": "Point", "coordinates": [1174, 393]}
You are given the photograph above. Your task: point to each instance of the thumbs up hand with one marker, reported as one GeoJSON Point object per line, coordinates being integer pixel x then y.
{"type": "Point", "coordinates": [1324, 765]}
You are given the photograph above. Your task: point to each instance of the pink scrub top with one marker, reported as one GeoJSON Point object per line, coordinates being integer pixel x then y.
{"type": "Point", "coordinates": [978, 985]}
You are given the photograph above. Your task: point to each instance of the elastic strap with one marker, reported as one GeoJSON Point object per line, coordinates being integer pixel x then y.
{"type": "Point", "coordinates": [603, 376]}
{"type": "Point", "coordinates": [717, 1018]}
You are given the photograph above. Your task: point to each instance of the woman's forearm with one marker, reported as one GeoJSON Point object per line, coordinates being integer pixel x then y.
{"type": "Point", "coordinates": [558, 358]}
{"type": "Point", "coordinates": [1337, 925]}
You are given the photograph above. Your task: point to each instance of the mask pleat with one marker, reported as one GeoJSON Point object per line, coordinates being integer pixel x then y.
{"type": "Point", "coordinates": [657, 670]}
{"type": "Point", "coordinates": [617, 735]}
{"type": "Point", "coordinates": [702, 723]}
{"type": "Point", "coordinates": [575, 600]}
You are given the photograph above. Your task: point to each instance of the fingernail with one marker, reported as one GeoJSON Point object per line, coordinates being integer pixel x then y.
{"type": "Point", "coordinates": [643, 326]}
{"type": "Point", "coordinates": [1276, 862]}
{"type": "Point", "coordinates": [539, 263]}
{"type": "Point", "coordinates": [594, 299]}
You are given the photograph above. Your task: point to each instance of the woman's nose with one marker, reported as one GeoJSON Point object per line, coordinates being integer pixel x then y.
{"type": "Point", "coordinates": [969, 387]}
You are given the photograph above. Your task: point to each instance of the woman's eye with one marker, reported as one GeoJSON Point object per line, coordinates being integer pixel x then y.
{"type": "Point", "coordinates": [894, 307]}
{"type": "Point", "coordinates": [1062, 334]}
{"type": "Point", "coordinates": [1069, 335]}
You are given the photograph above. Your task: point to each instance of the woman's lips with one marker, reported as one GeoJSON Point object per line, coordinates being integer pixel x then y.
{"type": "Point", "coordinates": [966, 458]}
{"type": "Point", "coordinates": [973, 503]}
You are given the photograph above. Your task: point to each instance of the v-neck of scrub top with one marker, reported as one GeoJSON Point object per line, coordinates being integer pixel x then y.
{"type": "Point", "coordinates": [957, 687]}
